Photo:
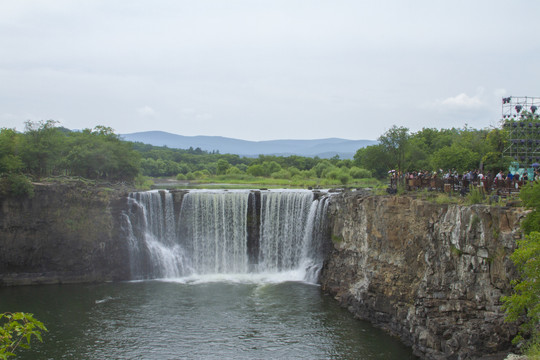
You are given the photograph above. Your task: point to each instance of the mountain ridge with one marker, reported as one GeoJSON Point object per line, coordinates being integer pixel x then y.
{"type": "Point", "coordinates": [324, 148]}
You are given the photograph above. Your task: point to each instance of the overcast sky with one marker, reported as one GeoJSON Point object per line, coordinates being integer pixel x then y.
{"type": "Point", "coordinates": [266, 69]}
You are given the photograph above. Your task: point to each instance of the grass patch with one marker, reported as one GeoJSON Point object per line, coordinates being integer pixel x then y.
{"type": "Point", "coordinates": [475, 195]}
{"type": "Point", "coordinates": [243, 181]}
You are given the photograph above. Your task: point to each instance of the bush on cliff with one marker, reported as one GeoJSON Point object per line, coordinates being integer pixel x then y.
{"type": "Point", "coordinates": [524, 301]}
{"type": "Point", "coordinates": [16, 185]}
{"type": "Point", "coordinates": [530, 196]}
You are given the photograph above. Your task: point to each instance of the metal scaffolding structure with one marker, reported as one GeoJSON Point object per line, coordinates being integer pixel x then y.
{"type": "Point", "coordinates": [520, 116]}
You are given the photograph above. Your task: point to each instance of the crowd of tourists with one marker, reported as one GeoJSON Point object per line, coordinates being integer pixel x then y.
{"type": "Point", "coordinates": [486, 180]}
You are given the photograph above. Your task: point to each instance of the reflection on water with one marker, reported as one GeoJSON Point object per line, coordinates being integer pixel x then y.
{"type": "Point", "coordinates": [196, 320]}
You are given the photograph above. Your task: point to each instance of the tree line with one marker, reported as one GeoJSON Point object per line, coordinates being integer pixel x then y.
{"type": "Point", "coordinates": [433, 150]}
{"type": "Point", "coordinates": [46, 149]}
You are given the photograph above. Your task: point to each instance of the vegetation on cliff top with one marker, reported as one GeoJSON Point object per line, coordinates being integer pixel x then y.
{"type": "Point", "coordinates": [46, 149]}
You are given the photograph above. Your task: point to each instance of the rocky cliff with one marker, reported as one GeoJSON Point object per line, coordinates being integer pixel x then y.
{"type": "Point", "coordinates": [431, 274]}
{"type": "Point", "coordinates": [65, 233]}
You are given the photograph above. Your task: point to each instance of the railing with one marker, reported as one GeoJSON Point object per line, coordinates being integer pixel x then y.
{"type": "Point", "coordinates": [499, 187]}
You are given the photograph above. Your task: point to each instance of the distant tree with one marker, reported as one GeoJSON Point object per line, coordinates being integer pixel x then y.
{"type": "Point", "coordinates": [395, 142]}
{"type": "Point", "coordinates": [222, 166]}
{"type": "Point", "coordinates": [359, 173]}
{"type": "Point", "coordinates": [375, 159]}
{"type": "Point", "coordinates": [233, 170]}
{"type": "Point", "coordinates": [321, 168]}
{"type": "Point", "coordinates": [100, 154]}
{"type": "Point", "coordinates": [270, 167]}
{"type": "Point", "coordinates": [42, 147]}
{"type": "Point", "coordinates": [255, 170]}
{"type": "Point", "coordinates": [10, 161]}
{"type": "Point", "coordinates": [455, 157]}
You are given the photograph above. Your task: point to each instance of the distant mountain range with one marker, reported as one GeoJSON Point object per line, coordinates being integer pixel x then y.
{"type": "Point", "coordinates": [323, 148]}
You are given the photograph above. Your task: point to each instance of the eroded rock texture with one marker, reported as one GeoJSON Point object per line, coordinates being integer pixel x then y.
{"type": "Point", "coordinates": [432, 274]}
{"type": "Point", "coordinates": [64, 234]}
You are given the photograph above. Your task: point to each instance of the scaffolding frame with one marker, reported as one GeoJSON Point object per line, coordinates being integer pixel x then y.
{"type": "Point", "coordinates": [520, 116]}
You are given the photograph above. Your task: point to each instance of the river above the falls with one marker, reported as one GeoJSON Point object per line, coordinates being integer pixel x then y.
{"type": "Point", "coordinates": [196, 319]}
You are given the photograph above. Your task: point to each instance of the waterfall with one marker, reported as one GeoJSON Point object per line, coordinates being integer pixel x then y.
{"type": "Point", "coordinates": [205, 232]}
{"type": "Point", "coordinates": [214, 231]}
{"type": "Point", "coordinates": [151, 233]}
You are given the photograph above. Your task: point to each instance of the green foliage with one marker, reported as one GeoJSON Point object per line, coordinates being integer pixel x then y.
{"type": "Point", "coordinates": [16, 185]}
{"type": "Point", "coordinates": [222, 166]}
{"type": "Point", "coordinates": [41, 147]}
{"type": "Point", "coordinates": [395, 142]}
{"type": "Point", "coordinates": [525, 298]}
{"type": "Point", "coordinates": [233, 170]}
{"type": "Point", "coordinates": [359, 173]}
{"type": "Point", "coordinates": [143, 183]}
{"type": "Point", "coordinates": [45, 149]}
{"type": "Point", "coordinates": [100, 154]}
{"type": "Point", "coordinates": [17, 330]}
{"type": "Point", "coordinates": [455, 157]}
{"type": "Point", "coordinates": [475, 195]}
{"type": "Point", "coordinates": [281, 174]}
{"type": "Point", "coordinates": [374, 158]}
{"type": "Point", "coordinates": [530, 196]}
{"type": "Point", "coordinates": [433, 149]}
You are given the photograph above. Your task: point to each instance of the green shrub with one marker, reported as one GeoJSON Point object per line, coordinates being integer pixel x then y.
{"type": "Point", "coordinates": [359, 173]}
{"type": "Point", "coordinates": [16, 185]}
{"type": "Point", "coordinates": [281, 174]}
{"type": "Point", "coordinates": [142, 182]}
{"type": "Point", "coordinates": [233, 170]}
{"type": "Point", "coordinates": [525, 298]}
{"type": "Point", "coordinates": [475, 195]}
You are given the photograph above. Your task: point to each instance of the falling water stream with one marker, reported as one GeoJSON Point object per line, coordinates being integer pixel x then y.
{"type": "Point", "coordinates": [227, 233]}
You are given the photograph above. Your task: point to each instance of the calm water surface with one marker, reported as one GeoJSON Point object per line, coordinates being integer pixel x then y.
{"type": "Point", "coordinates": [212, 320]}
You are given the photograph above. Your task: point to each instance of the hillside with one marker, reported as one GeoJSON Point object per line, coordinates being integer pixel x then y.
{"type": "Point", "coordinates": [324, 148]}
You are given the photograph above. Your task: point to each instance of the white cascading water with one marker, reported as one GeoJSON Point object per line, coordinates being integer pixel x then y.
{"type": "Point", "coordinates": [210, 234]}
{"type": "Point", "coordinates": [213, 230]}
{"type": "Point", "coordinates": [152, 235]}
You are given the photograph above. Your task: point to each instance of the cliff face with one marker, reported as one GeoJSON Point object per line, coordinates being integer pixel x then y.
{"type": "Point", "coordinates": [65, 233]}
{"type": "Point", "coordinates": [431, 274]}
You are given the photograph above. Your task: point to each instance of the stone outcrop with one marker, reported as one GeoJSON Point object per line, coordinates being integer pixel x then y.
{"type": "Point", "coordinates": [431, 274]}
{"type": "Point", "coordinates": [66, 233]}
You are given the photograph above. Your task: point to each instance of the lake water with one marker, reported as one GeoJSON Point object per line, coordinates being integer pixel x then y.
{"type": "Point", "coordinates": [196, 319]}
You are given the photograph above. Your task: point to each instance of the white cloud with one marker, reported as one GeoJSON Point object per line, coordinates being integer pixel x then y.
{"type": "Point", "coordinates": [146, 111]}
{"type": "Point", "coordinates": [462, 101]}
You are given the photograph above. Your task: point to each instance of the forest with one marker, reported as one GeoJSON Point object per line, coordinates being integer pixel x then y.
{"type": "Point", "coordinates": [45, 149]}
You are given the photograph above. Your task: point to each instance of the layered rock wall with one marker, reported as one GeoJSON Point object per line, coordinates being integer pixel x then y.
{"type": "Point", "coordinates": [65, 233]}
{"type": "Point", "coordinates": [432, 274]}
